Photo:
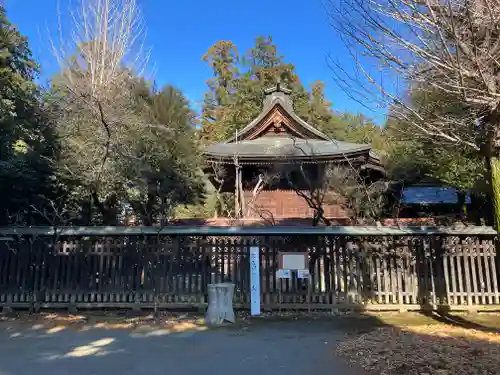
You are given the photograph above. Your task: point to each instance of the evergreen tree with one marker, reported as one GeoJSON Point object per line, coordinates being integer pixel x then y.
{"type": "Point", "coordinates": [236, 91]}
{"type": "Point", "coordinates": [26, 141]}
{"type": "Point", "coordinates": [265, 67]}
{"type": "Point", "coordinates": [223, 58]}
{"type": "Point", "coordinates": [164, 171]}
{"type": "Point", "coordinates": [236, 94]}
{"type": "Point", "coordinates": [412, 159]}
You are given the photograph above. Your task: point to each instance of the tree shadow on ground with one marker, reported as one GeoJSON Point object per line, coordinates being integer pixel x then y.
{"type": "Point", "coordinates": [268, 346]}
{"type": "Point", "coordinates": [402, 343]}
{"type": "Point", "coordinates": [79, 345]}
{"type": "Point", "coordinates": [458, 321]}
{"type": "Point", "coordinates": [397, 343]}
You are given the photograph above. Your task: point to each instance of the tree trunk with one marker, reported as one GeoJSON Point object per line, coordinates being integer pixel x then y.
{"type": "Point", "coordinates": [107, 209]}
{"type": "Point", "coordinates": [462, 204]}
{"type": "Point", "coordinates": [494, 164]}
{"type": "Point", "coordinates": [237, 207]}
{"type": "Point", "coordinates": [242, 194]}
{"type": "Point", "coordinates": [87, 211]}
{"type": "Point", "coordinates": [147, 215]}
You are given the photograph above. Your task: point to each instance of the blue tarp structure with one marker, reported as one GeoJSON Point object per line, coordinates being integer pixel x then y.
{"type": "Point", "coordinates": [431, 195]}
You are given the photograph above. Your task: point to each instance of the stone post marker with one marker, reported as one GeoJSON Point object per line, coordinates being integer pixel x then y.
{"type": "Point", "coordinates": [220, 303]}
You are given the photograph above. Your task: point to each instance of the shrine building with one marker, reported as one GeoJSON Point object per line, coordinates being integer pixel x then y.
{"type": "Point", "coordinates": [279, 139]}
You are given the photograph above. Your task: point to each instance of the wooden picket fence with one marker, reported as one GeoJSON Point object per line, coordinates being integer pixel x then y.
{"type": "Point", "coordinates": [350, 267]}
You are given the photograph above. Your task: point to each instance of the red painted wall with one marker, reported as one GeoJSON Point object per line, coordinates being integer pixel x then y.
{"type": "Point", "coordinates": [284, 204]}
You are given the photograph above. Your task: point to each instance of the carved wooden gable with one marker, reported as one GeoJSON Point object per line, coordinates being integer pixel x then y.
{"type": "Point", "coordinates": [277, 123]}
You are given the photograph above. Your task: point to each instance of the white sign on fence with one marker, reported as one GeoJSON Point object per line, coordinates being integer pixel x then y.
{"type": "Point", "coordinates": [254, 280]}
{"type": "Point", "coordinates": [303, 274]}
{"type": "Point", "coordinates": [293, 261]}
{"type": "Point", "coordinates": [284, 274]}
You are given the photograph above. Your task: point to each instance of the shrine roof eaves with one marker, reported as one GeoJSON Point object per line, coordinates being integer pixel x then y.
{"type": "Point", "coordinates": [284, 147]}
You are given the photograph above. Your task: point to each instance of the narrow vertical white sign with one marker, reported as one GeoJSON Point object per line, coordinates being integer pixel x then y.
{"type": "Point", "coordinates": [254, 280]}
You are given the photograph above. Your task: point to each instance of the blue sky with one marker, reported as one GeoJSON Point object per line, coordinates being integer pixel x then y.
{"type": "Point", "coordinates": [179, 32]}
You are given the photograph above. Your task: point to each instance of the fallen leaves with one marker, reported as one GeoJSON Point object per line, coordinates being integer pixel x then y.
{"type": "Point", "coordinates": [105, 320]}
{"type": "Point", "coordinates": [425, 350]}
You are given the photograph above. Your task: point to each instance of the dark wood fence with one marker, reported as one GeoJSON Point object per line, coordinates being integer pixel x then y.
{"type": "Point", "coordinates": [148, 267]}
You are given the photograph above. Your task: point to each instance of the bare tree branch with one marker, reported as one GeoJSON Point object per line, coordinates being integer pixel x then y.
{"type": "Point", "coordinates": [331, 184]}
{"type": "Point", "coordinates": [448, 46]}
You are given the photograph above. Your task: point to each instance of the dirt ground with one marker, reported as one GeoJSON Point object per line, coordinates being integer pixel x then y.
{"type": "Point", "coordinates": [307, 343]}
{"type": "Point", "coordinates": [55, 344]}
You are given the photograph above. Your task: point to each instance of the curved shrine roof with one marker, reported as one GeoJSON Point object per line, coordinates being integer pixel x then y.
{"type": "Point", "coordinates": [279, 133]}
{"type": "Point", "coordinates": [279, 147]}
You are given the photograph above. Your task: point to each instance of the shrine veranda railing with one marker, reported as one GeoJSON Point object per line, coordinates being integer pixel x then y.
{"type": "Point", "coordinates": [360, 267]}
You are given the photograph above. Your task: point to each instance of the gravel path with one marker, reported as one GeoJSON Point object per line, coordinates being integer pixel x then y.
{"type": "Point", "coordinates": [289, 348]}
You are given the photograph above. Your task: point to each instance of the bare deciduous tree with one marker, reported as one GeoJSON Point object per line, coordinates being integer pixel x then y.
{"type": "Point", "coordinates": [449, 47]}
{"type": "Point", "coordinates": [106, 42]}
{"type": "Point", "coordinates": [265, 179]}
{"type": "Point", "coordinates": [219, 174]}
{"type": "Point", "coordinates": [339, 184]}
{"type": "Point", "coordinates": [99, 57]}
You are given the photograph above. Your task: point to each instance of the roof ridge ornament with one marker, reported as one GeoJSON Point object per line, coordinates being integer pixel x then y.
{"type": "Point", "coordinates": [278, 88]}
{"type": "Point", "coordinates": [278, 93]}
